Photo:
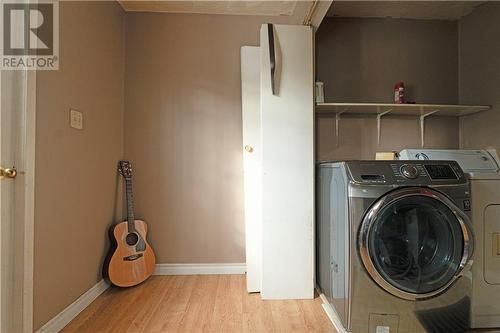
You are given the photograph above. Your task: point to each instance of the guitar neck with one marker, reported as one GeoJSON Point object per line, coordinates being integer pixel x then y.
{"type": "Point", "coordinates": [130, 205]}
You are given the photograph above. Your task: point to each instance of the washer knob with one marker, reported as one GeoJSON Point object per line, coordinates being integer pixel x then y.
{"type": "Point", "coordinates": [409, 171]}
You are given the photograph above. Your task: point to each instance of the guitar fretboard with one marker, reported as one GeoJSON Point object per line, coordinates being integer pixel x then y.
{"type": "Point", "coordinates": [130, 204]}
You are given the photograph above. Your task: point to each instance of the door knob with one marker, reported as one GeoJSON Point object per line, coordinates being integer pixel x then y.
{"type": "Point", "coordinates": [8, 172]}
{"type": "Point", "coordinates": [249, 148]}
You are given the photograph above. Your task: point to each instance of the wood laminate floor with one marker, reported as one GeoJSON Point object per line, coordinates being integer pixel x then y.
{"type": "Point", "coordinates": [197, 303]}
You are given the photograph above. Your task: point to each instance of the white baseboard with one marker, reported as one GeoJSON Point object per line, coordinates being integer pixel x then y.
{"type": "Point", "coordinates": [200, 269]}
{"type": "Point", "coordinates": [68, 314]}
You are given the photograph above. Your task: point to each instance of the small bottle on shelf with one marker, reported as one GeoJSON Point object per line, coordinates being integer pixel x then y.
{"type": "Point", "coordinates": [399, 93]}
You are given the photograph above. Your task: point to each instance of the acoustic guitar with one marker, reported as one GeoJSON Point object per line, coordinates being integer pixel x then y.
{"type": "Point", "coordinates": [131, 259]}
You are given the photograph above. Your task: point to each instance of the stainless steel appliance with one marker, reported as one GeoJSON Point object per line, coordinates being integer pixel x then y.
{"type": "Point", "coordinates": [482, 168]}
{"type": "Point", "coordinates": [394, 245]}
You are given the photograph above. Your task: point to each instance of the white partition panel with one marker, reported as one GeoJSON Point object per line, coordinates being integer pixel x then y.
{"type": "Point", "coordinates": [250, 98]}
{"type": "Point", "coordinates": [287, 162]}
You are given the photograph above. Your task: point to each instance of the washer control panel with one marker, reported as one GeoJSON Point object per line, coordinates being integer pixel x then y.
{"type": "Point", "coordinates": [409, 171]}
{"type": "Point", "coordinates": [406, 172]}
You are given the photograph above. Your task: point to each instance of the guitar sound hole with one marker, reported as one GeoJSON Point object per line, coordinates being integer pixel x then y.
{"type": "Point", "coordinates": [132, 239]}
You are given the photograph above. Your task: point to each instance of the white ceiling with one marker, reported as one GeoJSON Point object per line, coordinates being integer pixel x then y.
{"type": "Point", "coordinates": [438, 10]}
{"type": "Point", "coordinates": [239, 7]}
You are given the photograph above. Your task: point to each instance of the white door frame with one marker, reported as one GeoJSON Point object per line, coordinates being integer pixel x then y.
{"type": "Point", "coordinates": [29, 201]}
{"type": "Point", "coordinates": [24, 207]}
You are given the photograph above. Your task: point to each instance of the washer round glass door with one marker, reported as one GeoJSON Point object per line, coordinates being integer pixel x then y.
{"type": "Point", "coordinates": [415, 242]}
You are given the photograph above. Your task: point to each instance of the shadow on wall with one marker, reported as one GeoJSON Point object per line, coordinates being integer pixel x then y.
{"type": "Point", "coordinates": [480, 75]}
{"type": "Point", "coordinates": [358, 136]}
{"type": "Point", "coordinates": [119, 214]}
{"type": "Point", "coordinates": [338, 56]}
{"type": "Point", "coordinates": [360, 60]}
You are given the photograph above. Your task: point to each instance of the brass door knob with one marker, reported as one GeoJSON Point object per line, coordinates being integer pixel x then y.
{"type": "Point", "coordinates": [249, 148]}
{"type": "Point", "coordinates": [8, 172]}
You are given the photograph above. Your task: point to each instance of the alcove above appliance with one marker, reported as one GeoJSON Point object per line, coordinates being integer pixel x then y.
{"type": "Point", "coordinates": [381, 109]}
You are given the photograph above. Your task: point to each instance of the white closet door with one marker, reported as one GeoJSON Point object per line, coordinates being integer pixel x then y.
{"type": "Point", "coordinates": [287, 162]}
{"type": "Point", "coordinates": [250, 96]}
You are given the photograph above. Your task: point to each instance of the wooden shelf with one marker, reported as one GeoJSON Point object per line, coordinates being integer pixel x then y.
{"type": "Point", "coordinates": [399, 109]}
{"type": "Point", "coordinates": [380, 110]}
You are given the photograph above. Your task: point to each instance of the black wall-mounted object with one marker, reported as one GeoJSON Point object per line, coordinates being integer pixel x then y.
{"type": "Point", "coordinates": [272, 56]}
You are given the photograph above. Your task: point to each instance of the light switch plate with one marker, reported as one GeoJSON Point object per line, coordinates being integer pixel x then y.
{"type": "Point", "coordinates": [383, 329]}
{"type": "Point", "coordinates": [75, 119]}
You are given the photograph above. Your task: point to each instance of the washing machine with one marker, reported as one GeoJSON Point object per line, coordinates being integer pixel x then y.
{"type": "Point", "coordinates": [482, 168]}
{"type": "Point", "coordinates": [394, 245]}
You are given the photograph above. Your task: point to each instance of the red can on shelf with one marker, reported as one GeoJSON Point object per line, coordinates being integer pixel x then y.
{"type": "Point", "coordinates": [399, 93]}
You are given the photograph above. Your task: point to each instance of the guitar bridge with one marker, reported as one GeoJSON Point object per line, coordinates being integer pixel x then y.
{"type": "Point", "coordinates": [132, 257]}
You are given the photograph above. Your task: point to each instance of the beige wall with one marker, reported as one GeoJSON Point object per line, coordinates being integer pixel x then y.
{"type": "Point", "coordinates": [480, 75]}
{"type": "Point", "coordinates": [360, 60]}
{"type": "Point", "coordinates": [358, 136]}
{"type": "Point", "coordinates": [76, 182]}
{"type": "Point", "coordinates": [183, 131]}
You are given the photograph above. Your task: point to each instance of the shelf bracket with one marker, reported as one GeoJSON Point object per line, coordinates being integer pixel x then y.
{"type": "Point", "coordinates": [422, 125]}
{"type": "Point", "coordinates": [337, 121]}
{"type": "Point", "coordinates": [379, 120]}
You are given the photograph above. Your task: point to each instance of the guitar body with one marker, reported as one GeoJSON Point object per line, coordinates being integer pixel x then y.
{"type": "Point", "coordinates": [132, 260]}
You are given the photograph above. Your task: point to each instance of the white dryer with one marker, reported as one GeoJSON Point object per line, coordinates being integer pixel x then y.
{"type": "Point", "coordinates": [483, 168]}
